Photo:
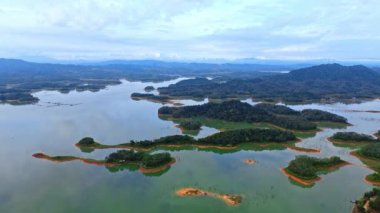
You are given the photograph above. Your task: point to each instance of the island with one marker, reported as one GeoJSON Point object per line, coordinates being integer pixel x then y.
{"type": "Point", "coordinates": [231, 200]}
{"type": "Point", "coordinates": [190, 125]}
{"type": "Point", "coordinates": [351, 139]}
{"type": "Point", "coordinates": [228, 140]}
{"type": "Point", "coordinates": [278, 116]}
{"type": "Point", "coordinates": [146, 162]}
{"type": "Point", "coordinates": [326, 83]}
{"type": "Point", "coordinates": [305, 170]}
{"type": "Point", "coordinates": [369, 203]}
{"type": "Point", "coordinates": [149, 88]}
{"type": "Point", "coordinates": [369, 155]}
{"type": "Point", "coordinates": [151, 97]}
{"type": "Point", "coordinates": [377, 134]}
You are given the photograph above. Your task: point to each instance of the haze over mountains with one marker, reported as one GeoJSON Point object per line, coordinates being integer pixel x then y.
{"type": "Point", "coordinates": [19, 79]}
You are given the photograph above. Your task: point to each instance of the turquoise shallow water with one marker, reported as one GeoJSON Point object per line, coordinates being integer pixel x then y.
{"type": "Point", "coordinates": [110, 116]}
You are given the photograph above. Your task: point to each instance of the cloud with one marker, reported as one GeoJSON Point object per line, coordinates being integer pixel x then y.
{"type": "Point", "coordinates": [97, 29]}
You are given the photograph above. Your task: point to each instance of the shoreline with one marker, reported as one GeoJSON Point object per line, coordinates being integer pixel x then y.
{"type": "Point", "coordinates": [300, 180]}
{"type": "Point", "coordinates": [230, 200]}
{"type": "Point", "coordinates": [157, 169]}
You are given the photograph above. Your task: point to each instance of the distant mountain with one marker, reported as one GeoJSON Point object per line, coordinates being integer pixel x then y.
{"type": "Point", "coordinates": [335, 72]}
{"type": "Point", "coordinates": [327, 83]}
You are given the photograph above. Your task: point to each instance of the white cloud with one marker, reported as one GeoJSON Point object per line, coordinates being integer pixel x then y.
{"type": "Point", "coordinates": [99, 29]}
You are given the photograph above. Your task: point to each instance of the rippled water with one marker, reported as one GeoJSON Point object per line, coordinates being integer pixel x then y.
{"type": "Point", "coordinates": [28, 184]}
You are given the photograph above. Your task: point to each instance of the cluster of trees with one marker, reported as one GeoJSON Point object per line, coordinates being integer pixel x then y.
{"type": "Point", "coordinates": [307, 167]}
{"type": "Point", "coordinates": [330, 82]}
{"type": "Point", "coordinates": [87, 141]}
{"type": "Point", "coordinates": [151, 97]}
{"type": "Point", "coordinates": [373, 200]}
{"type": "Point", "coordinates": [227, 138]}
{"type": "Point", "coordinates": [190, 125]}
{"type": "Point", "coordinates": [238, 111]}
{"type": "Point", "coordinates": [149, 88]}
{"type": "Point", "coordinates": [145, 159]}
{"type": "Point", "coordinates": [353, 137]}
{"type": "Point", "coordinates": [371, 150]}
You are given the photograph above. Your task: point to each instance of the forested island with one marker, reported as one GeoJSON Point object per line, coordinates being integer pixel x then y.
{"type": "Point", "coordinates": [323, 83]}
{"type": "Point", "coordinates": [225, 139]}
{"type": "Point", "coordinates": [149, 88]}
{"type": "Point", "coordinates": [146, 162]}
{"type": "Point", "coordinates": [369, 203]}
{"type": "Point", "coordinates": [304, 169]}
{"type": "Point", "coordinates": [190, 125]}
{"type": "Point", "coordinates": [236, 111]}
{"type": "Point", "coordinates": [150, 97]}
{"type": "Point", "coordinates": [352, 139]}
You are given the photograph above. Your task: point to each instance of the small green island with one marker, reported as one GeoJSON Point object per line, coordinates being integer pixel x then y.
{"type": "Point", "coordinates": [227, 140]}
{"type": "Point", "coordinates": [352, 139]}
{"type": "Point", "coordinates": [370, 156]}
{"type": "Point", "coordinates": [149, 88]}
{"type": "Point", "coordinates": [146, 163]}
{"type": "Point", "coordinates": [305, 170]}
{"type": "Point", "coordinates": [150, 97]}
{"type": "Point", "coordinates": [369, 203]}
{"type": "Point", "coordinates": [277, 116]}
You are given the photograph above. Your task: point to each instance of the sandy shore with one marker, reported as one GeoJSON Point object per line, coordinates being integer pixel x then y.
{"type": "Point", "coordinates": [300, 180]}
{"type": "Point", "coordinates": [231, 200]}
{"type": "Point", "coordinates": [249, 161]}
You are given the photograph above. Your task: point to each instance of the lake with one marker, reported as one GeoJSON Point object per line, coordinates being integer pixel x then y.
{"type": "Point", "coordinates": [110, 116]}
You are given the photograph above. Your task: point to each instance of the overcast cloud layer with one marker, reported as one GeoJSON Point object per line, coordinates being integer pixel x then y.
{"type": "Point", "coordinates": [190, 29]}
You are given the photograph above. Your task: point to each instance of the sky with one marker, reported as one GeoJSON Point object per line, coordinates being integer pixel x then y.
{"type": "Point", "coordinates": [190, 29]}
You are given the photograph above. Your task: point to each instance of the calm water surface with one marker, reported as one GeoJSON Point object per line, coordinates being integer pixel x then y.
{"type": "Point", "coordinates": [110, 116]}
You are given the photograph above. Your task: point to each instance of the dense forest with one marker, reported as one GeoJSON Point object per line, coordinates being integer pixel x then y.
{"type": "Point", "coordinates": [227, 138]}
{"type": "Point", "coordinates": [19, 79]}
{"type": "Point", "coordinates": [371, 151]}
{"type": "Point", "coordinates": [278, 115]}
{"type": "Point", "coordinates": [190, 125]}
{"type": "Point", "coordinates": [307, 167]}
{"type": "Point", "coordinates": [150, 97]}
{"type": "Point", "coordinates": [145, 159]}
{"type": "Point", "coordinates": [323, 83]}
{"type": "Point", "coordinates": [369, 203]}
{"type": "Point", "coordinates": [353, 137]}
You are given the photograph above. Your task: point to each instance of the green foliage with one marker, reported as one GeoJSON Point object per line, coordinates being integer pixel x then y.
{"type": "Point", "coordinates": [236, 137]}
{"type": "Point", "coordinates": [122, 156]}
{"type": "Point", "coordinates": [370, 150]}
{"type": "Point", "coordinates": [308, 167]}
{"type": "Point", "coordinates": [353, 137]}
{"type": "Point", "coordinates": [373, 197]}
{"type": "Point", "coordinates": [190, 125]}
{"type": "Point", "coordinates": [319, 115]}
{"type": "Point", "coordinates": [331, 82]}
{"type": "Point", "coordinates": [87, 141]}
{"type": "Point", "coordinates": [236, 111]}
{"type": "Point", "coordinates": [156, 160]}
{"type": "Point", "coordinates": [227, 138]}
{"type": "Point", "coordinates": [149, 88]}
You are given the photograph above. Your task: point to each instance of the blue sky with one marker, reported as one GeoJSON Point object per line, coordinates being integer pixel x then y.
{"type": "Point", "coordinates": [190, 29]}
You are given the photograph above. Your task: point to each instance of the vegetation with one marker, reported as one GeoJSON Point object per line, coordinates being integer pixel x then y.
{"type": "Point", "coordinates": [150, 97]}
{"type": "Point", "coordinates": [323, 83]}
{"type": "Point", "coordinates": [19, 79]}
{"type": "Point", "coordinates": [237, 111]}
{"type": "Point", "coordinates": [352, 137]}
{"type": "Point", "coordinates": [149, 88]}
{"type": "Point", "coordinates": [87, 141]}
{"type": "Point", "coordinates": [223, 139]}
{"type": "Point", "coordinates": [190, 125]}
{"type": "Point", "coordinates": [369, 203]}
{"type": "Point", "coordinates": [370, 151]}
{"type": "Point", "coordinates": [146, 160]}
{"type": "Point", "coordinates": [307, 168]}
{"type": "Point", "coordinates": [374, 177]}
